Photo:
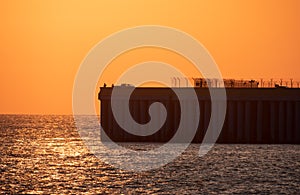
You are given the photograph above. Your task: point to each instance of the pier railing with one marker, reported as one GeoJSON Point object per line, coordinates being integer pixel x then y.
{"type": "Point", "coordinates": [235, 83]}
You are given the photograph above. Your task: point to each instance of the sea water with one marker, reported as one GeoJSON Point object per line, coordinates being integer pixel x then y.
{"type": "Point", "coordinates": [42, 154]}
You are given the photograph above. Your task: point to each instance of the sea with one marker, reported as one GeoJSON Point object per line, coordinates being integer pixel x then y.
{"type": "Point", "coordinates": [44, 154]}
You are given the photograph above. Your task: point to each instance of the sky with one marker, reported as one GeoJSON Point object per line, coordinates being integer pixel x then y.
{"type": "Point", "coordinates": [42, 43]}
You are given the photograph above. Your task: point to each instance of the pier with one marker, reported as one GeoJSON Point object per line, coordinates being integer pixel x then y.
{"type": "Point", "coordinates": [253, 115]}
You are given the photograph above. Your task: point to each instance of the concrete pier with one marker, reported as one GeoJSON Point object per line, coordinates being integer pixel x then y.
{"type": "Point", "coordinates": [253, 115]}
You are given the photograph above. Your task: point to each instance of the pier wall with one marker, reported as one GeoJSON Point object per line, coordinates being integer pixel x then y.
{"type": "Point", "coordinates": [253, 115]}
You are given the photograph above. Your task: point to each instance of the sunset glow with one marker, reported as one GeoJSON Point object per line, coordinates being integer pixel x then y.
{"type": "Point", "coordinates": [44, 42]}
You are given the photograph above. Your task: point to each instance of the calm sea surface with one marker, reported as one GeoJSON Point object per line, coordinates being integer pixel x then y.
{"type": "Point", "coordinates": [44, 154]}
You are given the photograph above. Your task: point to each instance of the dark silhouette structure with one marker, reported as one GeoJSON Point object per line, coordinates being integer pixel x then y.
{"type": "Point", "coordinates": [253, 115]}
{"type": "Point", "coordinates": [202, 82]}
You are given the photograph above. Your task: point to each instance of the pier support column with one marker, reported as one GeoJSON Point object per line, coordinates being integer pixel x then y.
{"type": "Point", "coordinates": [247, 121]}
{"type": "Point", "coordinates": [240, 121]}
{"type": "Point", "coordinates": [289, 121]}
{"type": "Point", "coordinates": [297, 122]}
{"type": "Point", "coordinates": [281, 126]}
{"type": "Point", "coordinates": [259, 122]}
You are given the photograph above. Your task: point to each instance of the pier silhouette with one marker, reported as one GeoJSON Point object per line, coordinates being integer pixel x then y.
{"type": "Point", "coordinates": [253, 115]}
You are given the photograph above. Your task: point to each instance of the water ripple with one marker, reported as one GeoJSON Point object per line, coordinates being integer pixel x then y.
{"type": "Point", "coordinates": [44, 154]}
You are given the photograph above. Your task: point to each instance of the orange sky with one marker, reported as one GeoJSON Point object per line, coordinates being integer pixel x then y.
{"type": "Point", "coordinates": [44, 42]}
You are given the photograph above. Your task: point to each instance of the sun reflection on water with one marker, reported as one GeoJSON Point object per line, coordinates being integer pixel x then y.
{"type": "Point", "coordinates": [45, 155]}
